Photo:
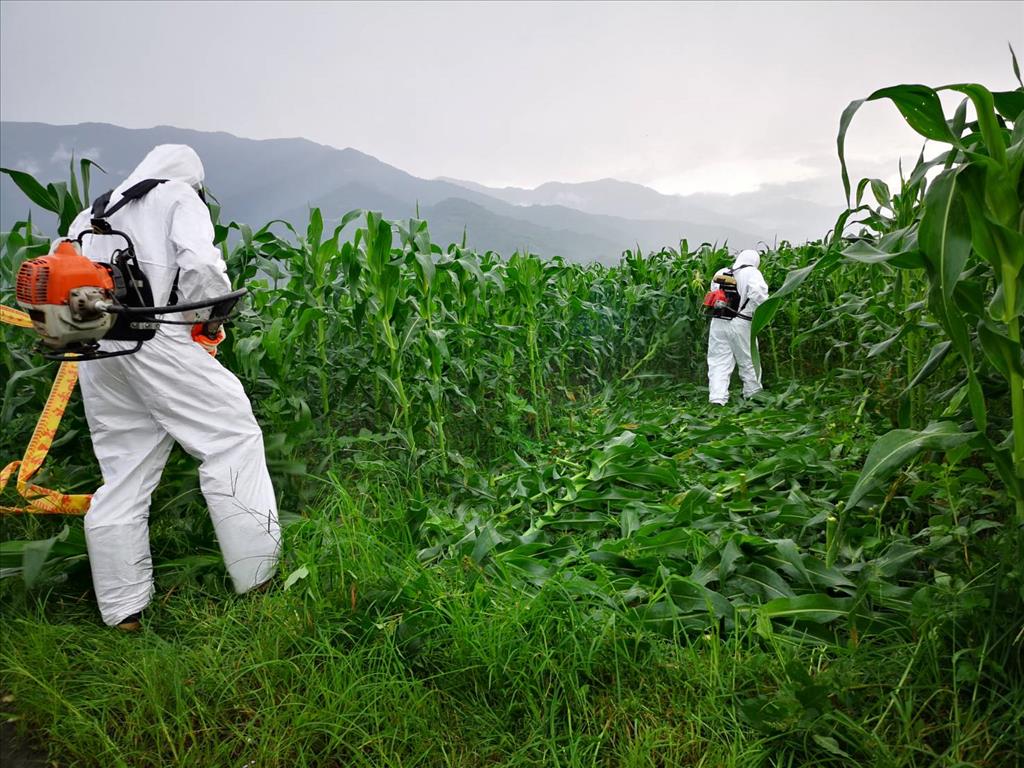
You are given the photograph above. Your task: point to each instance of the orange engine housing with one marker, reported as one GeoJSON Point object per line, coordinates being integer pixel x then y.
{"type": "Point", "coordinates": [63, 294]}
{"type": "Point", "coordinates": [50, 279]}
{"type": "Point", "coordinates": [712, 296]}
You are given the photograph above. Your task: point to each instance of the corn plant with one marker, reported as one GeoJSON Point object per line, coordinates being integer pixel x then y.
{"type": "Point", "coordinates": [969, 242]}
{"type": "Point", "coordinates": [65, 199]}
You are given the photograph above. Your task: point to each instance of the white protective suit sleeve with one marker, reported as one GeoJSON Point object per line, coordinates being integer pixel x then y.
{"type": "Point", "coordinates": [203, 271]}
{"type": "Point", "coordinates": [750, 283]}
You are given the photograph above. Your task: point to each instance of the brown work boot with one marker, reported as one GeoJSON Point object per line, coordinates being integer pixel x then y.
{"type": "Point", "coordinates": [131, 623]}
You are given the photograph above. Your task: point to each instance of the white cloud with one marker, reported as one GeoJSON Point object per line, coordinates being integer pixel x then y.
{"type": "Point", "coordinates": [735, 176]}
{"type": "Point", "coordinates": [28, 165]}
{"type": "Point", "coordinates": [62, 155]}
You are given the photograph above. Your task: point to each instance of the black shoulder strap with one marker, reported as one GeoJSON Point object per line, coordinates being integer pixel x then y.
{"type": "Point", "coordinates": [99, 205]}
{"type": "Point", "coordinates": [134, 192]}
{"type": "Point", "coordinates": [173, 298]}
{"type": "Point", "coordinates": [742, 266]}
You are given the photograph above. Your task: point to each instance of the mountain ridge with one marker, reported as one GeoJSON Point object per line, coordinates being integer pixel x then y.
{"type": "Point", "coordinates": [257, 180]}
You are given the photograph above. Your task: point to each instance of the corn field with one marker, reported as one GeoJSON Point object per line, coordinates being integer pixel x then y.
{"type": "Point", "coordinates": [502, 485]}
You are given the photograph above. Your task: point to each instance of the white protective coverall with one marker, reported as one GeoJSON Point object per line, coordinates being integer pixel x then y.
{"type": "Point", "coordinates": [171, 390]}
{"type": "Point", "coordinates": [729, 340]}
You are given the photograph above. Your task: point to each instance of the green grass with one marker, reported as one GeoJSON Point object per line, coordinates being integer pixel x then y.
{"type": "Point", "coordinates": [399, 647]}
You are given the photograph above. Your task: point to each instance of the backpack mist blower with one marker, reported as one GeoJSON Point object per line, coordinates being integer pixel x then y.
{"type": "Point", "coordinates": [74, 302]}
{"type": "Point", "coordinates": [728, 295]}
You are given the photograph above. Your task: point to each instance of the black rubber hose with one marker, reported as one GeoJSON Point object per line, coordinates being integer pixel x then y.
{"type": "Point", "coordinates": [120, 310]}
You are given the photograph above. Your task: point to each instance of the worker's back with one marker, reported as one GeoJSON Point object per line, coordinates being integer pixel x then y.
{"type": "Point", "coordinates": [170, 228]}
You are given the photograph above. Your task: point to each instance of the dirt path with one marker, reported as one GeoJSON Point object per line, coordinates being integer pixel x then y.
{"type": "Point", "coordinates": [15, 755]}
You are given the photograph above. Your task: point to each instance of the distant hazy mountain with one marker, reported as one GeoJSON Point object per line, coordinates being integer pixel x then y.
{"type": "Point", "coordinates": [769, 214]}
{"type": "Point", "coordinates": [606, 196]}
{"type": "Point", "coordinates": [257, 181]}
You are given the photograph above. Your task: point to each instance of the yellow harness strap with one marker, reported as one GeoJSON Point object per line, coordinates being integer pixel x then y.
{"type": "Point", "coordinates": [43, 501]}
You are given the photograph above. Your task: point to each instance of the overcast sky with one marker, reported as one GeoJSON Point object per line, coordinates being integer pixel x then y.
{"type": "Point", "coordinates": [683, 97]}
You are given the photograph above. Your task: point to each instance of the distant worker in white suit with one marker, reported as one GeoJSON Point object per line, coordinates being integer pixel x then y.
{"type": "Point", "coordinates": [171, 390]}
{"type": "Point", "coordinates": [735, 294]}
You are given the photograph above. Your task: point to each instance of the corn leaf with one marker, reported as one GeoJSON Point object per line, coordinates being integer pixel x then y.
{"type": "Point", "coordinates": [896, 448]}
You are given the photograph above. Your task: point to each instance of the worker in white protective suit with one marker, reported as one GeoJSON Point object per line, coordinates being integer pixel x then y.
{"type": "Point", "coordinates": [172, 390]}
{"type": "Point", "coordinates": [737, 292]}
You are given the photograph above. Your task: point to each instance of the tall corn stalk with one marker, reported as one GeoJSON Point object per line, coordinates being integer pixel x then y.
{"type": "Point", "coordinates": [970, 242]}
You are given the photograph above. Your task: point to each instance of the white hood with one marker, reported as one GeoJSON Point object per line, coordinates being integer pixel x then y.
{"type": "Point", "coordinates": [748, 258]}
{"type": "Point", "coordinates": [174, 162]}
